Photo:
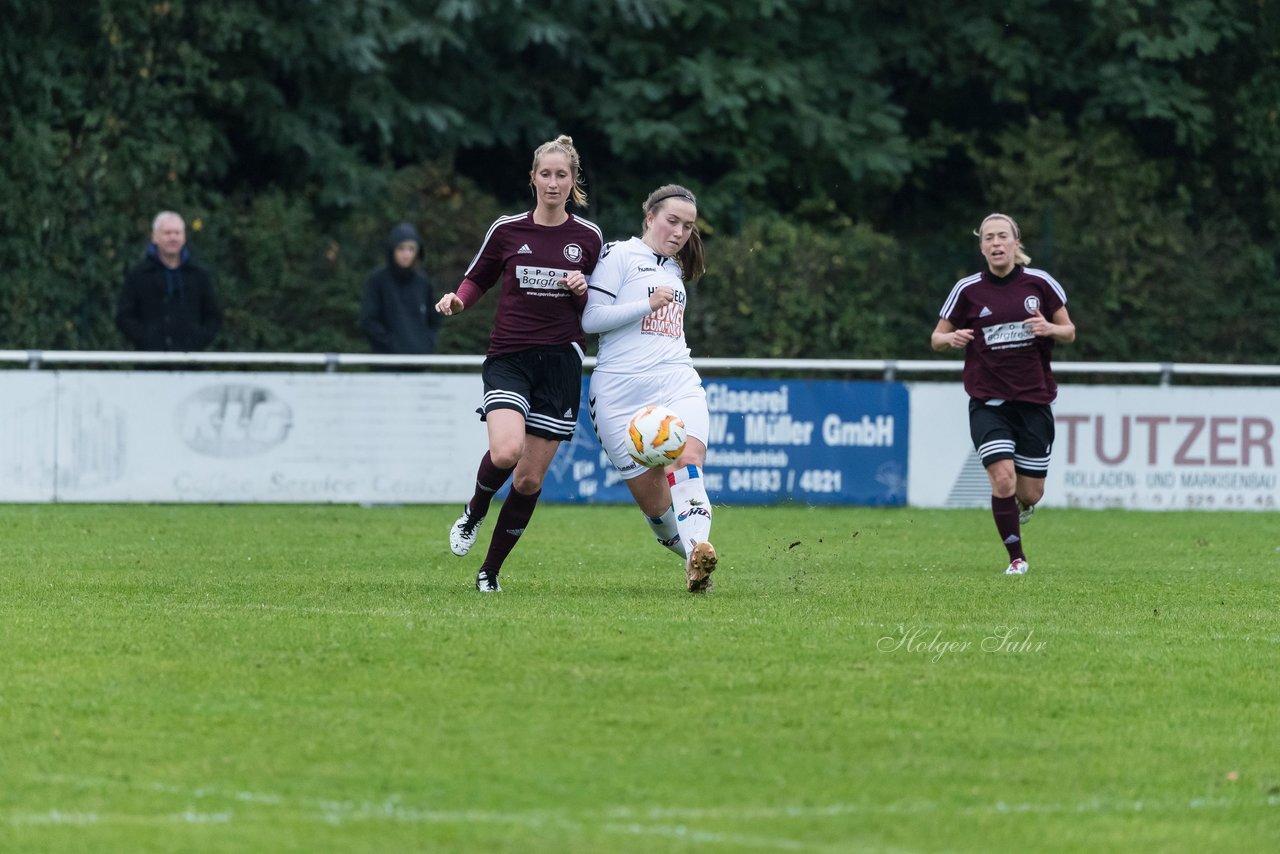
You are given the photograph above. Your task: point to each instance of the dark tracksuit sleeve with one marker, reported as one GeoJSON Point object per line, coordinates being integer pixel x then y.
{"type": "Point", "coordinates": [434, 318]}
{"type": "Point", "coordinates": [434, 323]}
{"type": "Point", "coordinates": [371, 318]}
{"type": "Point", "coordinates": [128, 320]}
{"type": "Point", "coordinates": [210, 316]}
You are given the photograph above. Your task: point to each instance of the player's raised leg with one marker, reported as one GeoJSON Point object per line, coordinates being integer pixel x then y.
{"type": "Point", "coordinates": [521, 501]}
{"type": "Point", "coordinates": [506, 443]}
{"type": "Point", "coordinates": [653, 497]}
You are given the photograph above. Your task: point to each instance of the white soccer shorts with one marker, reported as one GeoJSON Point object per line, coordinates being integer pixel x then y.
{"type": "Point", "coordinates": [614, 398]}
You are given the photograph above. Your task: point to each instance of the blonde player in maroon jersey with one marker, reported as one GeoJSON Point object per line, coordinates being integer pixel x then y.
{"type": "Point", "coordinates": [533, 368]}
{"type": "Point", "coordinates": [1007, 320]}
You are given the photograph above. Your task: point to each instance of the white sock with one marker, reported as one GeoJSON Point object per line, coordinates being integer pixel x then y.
{"type": "Point", "coordinates": [692, 506]}
{"type": "Point", "coordinates": [664, 528]}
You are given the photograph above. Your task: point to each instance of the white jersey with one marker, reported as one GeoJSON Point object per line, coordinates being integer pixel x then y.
{"type": "Point", "coordinates": [633, 339]}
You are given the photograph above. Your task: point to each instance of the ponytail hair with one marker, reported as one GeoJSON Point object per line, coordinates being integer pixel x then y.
{"type": "Point", "coordinates": [563, 144]}
{"type": "Point", "coordinates": [692, 257]}
{"type": "Point", "coordinates": [1020, 255]}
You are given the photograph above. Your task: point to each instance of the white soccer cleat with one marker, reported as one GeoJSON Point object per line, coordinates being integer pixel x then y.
{"type": "Point", "coordinates": [487, 583]}
{"type": "Point", "coordinates": [1017, 567]}
{"type": "Point", "coordinates": [1025, 511]}
{"type": "Point", "coordinates": [462, 536]}
{"type": "Point", "coordinates": [699, 566]}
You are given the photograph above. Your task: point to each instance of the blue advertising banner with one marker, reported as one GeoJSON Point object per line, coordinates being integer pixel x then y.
{"type": "Point", "coordinates": [772, 441]}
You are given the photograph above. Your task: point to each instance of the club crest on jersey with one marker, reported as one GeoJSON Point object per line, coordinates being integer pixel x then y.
{"type": "Point", "coordinates": [1031, 304]}
{"type": "Point", "coordinates": [573, 252]}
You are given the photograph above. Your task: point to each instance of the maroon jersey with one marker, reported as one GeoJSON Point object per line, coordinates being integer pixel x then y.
{"type": "Point", "coordinates": [534, 309]}
{"type": "Point", "coordinates": [1004, 361]}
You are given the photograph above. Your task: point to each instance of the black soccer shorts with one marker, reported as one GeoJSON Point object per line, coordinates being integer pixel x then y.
{"type": "Point", "coordinates": [542, 383]}
{"type": "Point", "coordinates": [1014, 430]}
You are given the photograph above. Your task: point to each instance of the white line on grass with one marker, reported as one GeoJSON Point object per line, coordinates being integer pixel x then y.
{"type": "Point", "coordinates": [652, 820]}
{"type": "Point", "coordinates": [914, 807]}
{"type": "Point", "coordinates": [747, 813]}
{"type": "Point", "coordinates": [427, 613]}
{"type": "Point", "coordinates": [283, 609]}
{"type": "Point", "coordinates": [58, 817]}
{"type": "Point", "coordinates": [54, 817]}
{"type": "Point", "coordinates": [735, 839]}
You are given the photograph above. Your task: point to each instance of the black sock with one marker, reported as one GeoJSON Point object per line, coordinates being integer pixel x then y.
{"type": "Point", "coordinates": [513, 518]}
{"type": "Point", "coordinates": [489, 479]}
{"type": "Point", "coordinates": [1005, 511]}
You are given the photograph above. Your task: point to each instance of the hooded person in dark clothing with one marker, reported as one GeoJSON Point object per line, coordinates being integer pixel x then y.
{"type": "Point", "coordinates": [168, 302]}
{"type": "Point", "coordinates": [396, 311]}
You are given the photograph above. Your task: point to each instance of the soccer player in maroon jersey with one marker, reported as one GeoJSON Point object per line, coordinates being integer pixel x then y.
{"type": "Point", "coordinates": [533, 368]}
{"type": "Point", "coordinates": [1006, 320]}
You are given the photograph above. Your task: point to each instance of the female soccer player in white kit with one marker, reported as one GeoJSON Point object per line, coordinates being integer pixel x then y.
{"type": "Point", "coordinates": [636, 301]}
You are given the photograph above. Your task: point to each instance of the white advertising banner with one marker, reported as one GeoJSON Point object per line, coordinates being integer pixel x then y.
{"type": "Point", "coordinates": [197, 436]}
{"type": "Point", "coordinates": [1138, 447]}
{"type": "Point", "coordinates": [28, 427]}
{"type": "Point", "coordinates": [241, 437]}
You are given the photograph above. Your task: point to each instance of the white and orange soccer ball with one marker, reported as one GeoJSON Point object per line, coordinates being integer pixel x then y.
{"type": "Point", "coordinates": [655, 436]}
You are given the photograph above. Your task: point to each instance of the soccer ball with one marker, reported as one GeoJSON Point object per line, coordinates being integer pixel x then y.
{"type": "Point", "coordinates": [655, 436]}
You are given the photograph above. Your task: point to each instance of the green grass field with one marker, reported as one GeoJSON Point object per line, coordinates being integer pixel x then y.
{"type": "Point", "coordinates": [325, 678]}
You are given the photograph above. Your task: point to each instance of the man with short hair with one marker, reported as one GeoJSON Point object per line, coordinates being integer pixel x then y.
{"type": "Point", "coordinates": [168, 302]}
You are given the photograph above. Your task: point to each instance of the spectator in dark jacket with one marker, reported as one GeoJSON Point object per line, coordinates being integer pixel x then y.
{"type": "Point", "coordinates": [168, 302]}
{"type": "Point", "coordinates": [396, 309]}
